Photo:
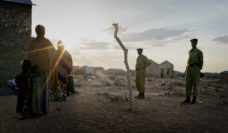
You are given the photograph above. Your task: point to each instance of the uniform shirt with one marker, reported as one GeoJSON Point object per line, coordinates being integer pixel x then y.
{"type": "Point", "coordinates": [195, 57]}
{"type": "Point", "coordinates": [142, 62]}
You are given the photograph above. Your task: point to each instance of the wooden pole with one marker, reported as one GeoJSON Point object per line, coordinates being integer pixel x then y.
{"type": "Point", "coordinates": [125, 61]}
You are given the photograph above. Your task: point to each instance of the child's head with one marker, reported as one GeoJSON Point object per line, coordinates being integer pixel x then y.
{"type": "Point", "coordinates": [26, 65]}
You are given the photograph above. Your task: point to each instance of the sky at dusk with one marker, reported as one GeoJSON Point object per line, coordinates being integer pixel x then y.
{"type": "Point", "coordinates": [162, 28]}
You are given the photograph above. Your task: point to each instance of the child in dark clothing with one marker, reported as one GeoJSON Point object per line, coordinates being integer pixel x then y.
{"type": "Point", "coordinates": [24, 83]}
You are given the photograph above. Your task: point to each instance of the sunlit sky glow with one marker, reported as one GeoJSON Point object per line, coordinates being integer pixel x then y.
{"type": "Point", "coordinates": [162, 27]}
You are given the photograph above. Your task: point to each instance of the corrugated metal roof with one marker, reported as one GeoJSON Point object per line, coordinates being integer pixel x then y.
{"type": "Point", "coordinates": [20, 1]}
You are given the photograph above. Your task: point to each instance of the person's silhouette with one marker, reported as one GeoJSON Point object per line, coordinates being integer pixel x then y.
{"type": "Point", "coordinates": [192, 72]}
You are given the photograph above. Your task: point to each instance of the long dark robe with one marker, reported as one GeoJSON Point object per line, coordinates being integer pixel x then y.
{"type": "Point", "coordinates": [65, 66]}
{"type": "Point", "coordinates": [40, 53]}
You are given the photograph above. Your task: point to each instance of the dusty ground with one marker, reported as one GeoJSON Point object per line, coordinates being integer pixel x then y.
{"type": "Point", "coordinates": [106, 110]}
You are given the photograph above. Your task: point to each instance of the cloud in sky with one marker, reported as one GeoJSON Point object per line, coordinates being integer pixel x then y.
{"type": "Point", "coordinates": [221, 7]}
{"type": "Point", "coordinates": [153, 34]}
{"type": "Point", "coordinates": [154, 38]}
{"type": "Point", "coordinates": [157, 26]}
{"type": "Point", "coordinates": [221, 39]}
{"type": "Point", "coordinates": [94, 45]}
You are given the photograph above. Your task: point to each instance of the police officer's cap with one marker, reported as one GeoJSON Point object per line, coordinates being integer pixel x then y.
{"type": "Point", "coordinates": [194, 40]}
{"type": "Point", "coordinates": [139, 49]}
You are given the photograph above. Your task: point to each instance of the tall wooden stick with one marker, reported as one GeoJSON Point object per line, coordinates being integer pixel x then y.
{"type": "Point", "coordinates": [125, 61]}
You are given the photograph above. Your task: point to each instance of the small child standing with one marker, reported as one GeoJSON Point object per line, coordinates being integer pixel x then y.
{"type": "Point", "coordinates": [24, 98]}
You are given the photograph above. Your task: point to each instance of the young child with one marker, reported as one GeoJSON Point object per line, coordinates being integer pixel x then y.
{"type": "Point", "coordinates": [24, 98]}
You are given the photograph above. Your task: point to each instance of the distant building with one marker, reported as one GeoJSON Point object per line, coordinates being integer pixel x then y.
{"type": "Point", "coordinates": [115, 71]}
{"type": "Point", "coordinates": [163, 70]}
{"type": "Point", "coordinates": [75, 70]}
{"type": "Point", "coordinates": [153, 70]}
{"type": "Point", "coordinates": [15, 32]}
{"type": "Point", "coordinates": [99, 70]}
{"type": "Point", "coordinates": [87, 70]}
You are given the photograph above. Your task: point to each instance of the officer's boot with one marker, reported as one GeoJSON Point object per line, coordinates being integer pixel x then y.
{"type": "Point", "coordinates": [187, 100]}
{"type": "Point", "coordinates": [142, 95]}
{"type": "Point", "coordinates": [193, 100]}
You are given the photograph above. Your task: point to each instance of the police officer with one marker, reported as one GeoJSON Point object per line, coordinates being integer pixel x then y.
{"type": "Point", "coordinates": [192, 72]}
{"type": "Point", "coordinates": [141, 64]}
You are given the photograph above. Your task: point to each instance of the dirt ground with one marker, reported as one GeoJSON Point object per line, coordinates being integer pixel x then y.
{"type": "Point", "coordinates": [106, 110]}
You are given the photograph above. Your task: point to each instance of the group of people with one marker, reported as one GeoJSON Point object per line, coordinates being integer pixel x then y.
{"type": "Point", "coordinates": [192, 73]}
{"type": "Point", "coordinates": [45, 71]}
